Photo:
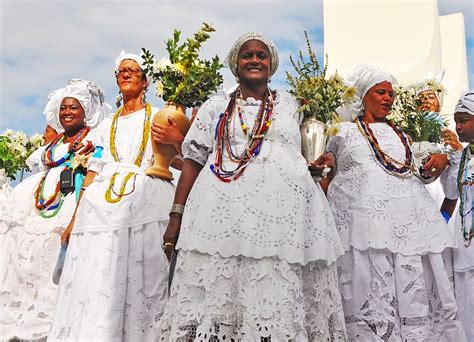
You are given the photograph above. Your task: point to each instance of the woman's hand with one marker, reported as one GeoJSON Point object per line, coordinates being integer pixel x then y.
{"type": "Point", "coordinates": [327, 160]}
{"type": "Point", "coordinates": [435, 164]}
{"type": "Point", "coordinates": [170, 237]}
{"type": "Point", "coordinates": [170, 135]}
{"type": "Point", "coordinates": [67, 232]}
{"type": "Point", "coordinates": [450, 138]}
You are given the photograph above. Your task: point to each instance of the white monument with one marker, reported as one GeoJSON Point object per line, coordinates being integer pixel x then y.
{"type": "Point", "coordinates": [407, 38]}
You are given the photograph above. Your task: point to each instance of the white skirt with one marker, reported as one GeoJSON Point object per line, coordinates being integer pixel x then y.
{"type": "Point", "coordinates": [113, 286]}
{"type": "Point", "coordinates": [464, 291]}
{"type": "Point", "coordinates": [392, 297]}
{"type": "Point", "coordinates": [245, 299]}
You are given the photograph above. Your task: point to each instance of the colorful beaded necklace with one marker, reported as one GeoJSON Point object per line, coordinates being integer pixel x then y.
{"type": "Point", "coordinates": [254, 142]}
{"type": "Point", "coordinates": [464, 181]}
{"type": "Point", "coordinates": [138, 159]}
{"type": "Point", "coordinates": [388, 163]}
{"type": "Point", "coordinates": [49, 207]}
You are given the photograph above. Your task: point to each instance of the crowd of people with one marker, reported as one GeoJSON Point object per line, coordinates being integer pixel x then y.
{"type": "Point", "coordinates": [247, 246]}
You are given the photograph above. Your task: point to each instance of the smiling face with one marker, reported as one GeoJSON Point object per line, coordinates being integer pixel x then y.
{"type": "Point", "coordinates": [378, 102]}
{"type": "Point", "coordinates": [464, 126]}
{"type": "Point", "coordinates": [429, 101]}
{"type": "Point", "coordinates": [130, 78]}
{"type": "Point", "coordinates": [71, 115]}
{"type": "Point", "coordinates": [253, 63]}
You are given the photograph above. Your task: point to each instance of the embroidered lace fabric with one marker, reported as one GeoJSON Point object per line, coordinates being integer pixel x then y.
{"type": "Point", "coordinates": [245, 299]}
{"type": "Point", "coordinates": [274, 209]}
{"type": "Point", "coordinates": [374, 209]}
{"type": "Point", "coordinates": [391, 297]}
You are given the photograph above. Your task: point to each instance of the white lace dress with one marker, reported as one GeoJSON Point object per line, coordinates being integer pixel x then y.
{"type": "Point", "coordinates": [392, 277]}
{"type": "Point", "coordinates": [256, 256]}
{"type": "Point", "coordinates": [29, 250]}
{"type": "Point", "coordinates": [115, 277]}
{"type": "Point", "coordinates": [463, 257]}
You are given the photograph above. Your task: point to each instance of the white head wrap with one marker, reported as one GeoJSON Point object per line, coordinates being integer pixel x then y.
{"type": "Point", "coordinates": [231, 59]}
{"type": "Point", "coordinates": [125, 55]}
{"type": "Point", "coordinates": [362, 78]}
{"type": "Point", "coordinates": [87, 93]}
{"type": "Point", "coordinates": [465, 103]}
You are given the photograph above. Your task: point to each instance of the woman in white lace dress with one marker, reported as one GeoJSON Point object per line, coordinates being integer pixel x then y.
{"type": "Point", "coordinates": [257, 242]}
{"type": "Point", "coordinates": [114, 283]}
{"type": "Point", "coordinates": [37, 212]}
{"type": "Point", "coordinates": [393, 281]}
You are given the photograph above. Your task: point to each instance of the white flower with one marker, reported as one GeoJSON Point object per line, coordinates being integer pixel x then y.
{"type": "Point", "coordinates": [21, 137]}
{"type": "Point", "coordinates": [9, 132]}
{"type": "Point", "coordinates": [160, 89]}
{"type": "Point", "coordinates": [161, 65]}
{"type": "Point", "coordinates": [36, 140]}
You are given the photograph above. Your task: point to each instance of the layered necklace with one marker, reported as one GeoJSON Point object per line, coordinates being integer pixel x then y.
{"type": "Point", "coordinates": [464, 181]}
{"type": "Point", "coordinates": [226, 145]}
{"type": "Point", "coordinates": [49, 207]}
{"type": "Point", "coordinates": [388, 163]}
{"type": "Point", "coordinates": [138, 159]}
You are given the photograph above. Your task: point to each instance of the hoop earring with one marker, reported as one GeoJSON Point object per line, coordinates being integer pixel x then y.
{"type": "Point", "coordinates": [118, 100]}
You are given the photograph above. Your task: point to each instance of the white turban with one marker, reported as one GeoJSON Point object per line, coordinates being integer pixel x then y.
{"type": "Point", "coordinates": [231, 59]}
{"type": "Point", "coordinates": [362, 78]}
{"type": "Point", "coordinates": [87, 93]}
{"type": "Point", "coordinates": [465, 103]}
{"type": "Point", "coordinates": [125, 55]}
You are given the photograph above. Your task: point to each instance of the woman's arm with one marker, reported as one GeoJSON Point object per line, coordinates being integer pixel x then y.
{"type": "Point", "coordinates": [189, 173]}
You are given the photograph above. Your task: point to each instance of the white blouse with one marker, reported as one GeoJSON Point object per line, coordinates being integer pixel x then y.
{"type": "Point", "coordinates": [375, 209]}
{"type": "Point", "coordinates": [274, 209]}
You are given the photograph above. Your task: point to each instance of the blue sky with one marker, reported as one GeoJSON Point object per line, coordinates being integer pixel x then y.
{"type": "Point", "coordinates": [45, 43]}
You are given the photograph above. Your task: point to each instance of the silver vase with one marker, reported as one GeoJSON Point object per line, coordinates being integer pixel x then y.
{"type": "Point", "coordinates": [313, 139]}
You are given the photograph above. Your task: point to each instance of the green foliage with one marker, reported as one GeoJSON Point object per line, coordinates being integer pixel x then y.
{"type": "Point", "coordinates": [183, 78]}
{"type": "Point", "coordinates": [419, 125]}
{"type": "Point", "coordinates": [318, 94]}
{"type": "Point", "coordinates": [15, 148]}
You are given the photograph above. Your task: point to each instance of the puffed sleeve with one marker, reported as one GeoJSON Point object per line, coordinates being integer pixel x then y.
{"type": "Point", "coordinates": [34, 160]}
{"type": "Point", "coordinates": [448, 178]}
{"type": "Point", "coordinates": [199, 141]}
{"type": "Point", "coordinates": [337, 141]}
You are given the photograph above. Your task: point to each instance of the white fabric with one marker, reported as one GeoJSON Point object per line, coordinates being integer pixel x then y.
{"type": "Point", "coordinates": [391, 297]}
{"type": "Point", "coordinates": [113, 286]}
{"type": "Point", "coordinates": [274, 209]}
{"type": "Point", "coordinates": [115, 274]}
{"type": "Point", "coordinates": [374, 209]}
{"type": "Point", "coordinates": [465, 103]}
{"type": "Point", "coordinates": [362, 78]}
{"type": "Point", "coordinates": [87, 93]}
{"type": "Point", "coordinates": [464, 291]}
{"type": "Point", "coordinates": [143, 205]}
{"type": "Point", "coordinates": [243, 299]}
{"type": "Point", "coordinates": [29, 247]}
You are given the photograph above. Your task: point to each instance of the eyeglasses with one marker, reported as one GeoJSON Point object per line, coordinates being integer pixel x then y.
{"type": "Point", "coordinates": [131, 71]}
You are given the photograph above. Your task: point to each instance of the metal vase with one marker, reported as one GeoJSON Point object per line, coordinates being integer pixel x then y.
{"type": "Point", "coordinates": [313, 139]}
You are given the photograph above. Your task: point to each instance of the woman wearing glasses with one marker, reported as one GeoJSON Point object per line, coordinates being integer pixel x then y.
{"type": "Point", "coordinates": [114, 282]}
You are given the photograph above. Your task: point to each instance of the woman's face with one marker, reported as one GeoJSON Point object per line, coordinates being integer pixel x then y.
{"type": "Point", "coordinates": [130, 78]}
{"type": "Point", "coordinates": [379, 100]}
{"type": "Point", "coordinates": [429, 101]}
{"type": "Point", "coordinates": [71, 114]}
{"type": "Point", "coordinates": [464, 126]}
{"type": "Point", "coordinates": [253, 62]}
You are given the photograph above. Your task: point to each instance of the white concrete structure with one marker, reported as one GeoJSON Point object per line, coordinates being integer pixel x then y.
{"type": "Point", "coordinates": [407, 38]}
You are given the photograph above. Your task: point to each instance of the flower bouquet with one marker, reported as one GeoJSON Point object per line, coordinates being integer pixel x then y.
{"type": "Point", "coordinates": [182, 80]}
{"type": "Point", "coordinates": [319, 95]}
{"type": "Point", "coordinates": [421, 121]}
{"type": "Point", "coordinates": [15, 148]}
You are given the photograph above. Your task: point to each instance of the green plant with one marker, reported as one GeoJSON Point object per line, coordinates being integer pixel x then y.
{"type": "Point", "coordinates": [15, 148]}
{"type": "Point", "coordinates": [183, 78]}
{"type": "Point", "coordinates": [318, 93]}
{"type": "Point", "coordinates": [407, 114]}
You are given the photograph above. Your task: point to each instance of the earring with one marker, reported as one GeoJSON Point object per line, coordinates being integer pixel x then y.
{"type": "Point", "coordinates": [269, 80]}
{"type": "Point", "coordinates": [237, 79]}
{"type": "Point", "coordinates": [362, 107]}
{"type": "Point", "coordinates": [144, 97]}
{"type": "Point", "coordinates": [118, 100]}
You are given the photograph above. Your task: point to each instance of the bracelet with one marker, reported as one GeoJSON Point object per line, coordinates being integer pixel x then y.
{"type": "Point", "coordinates": [177, 208]}
{"type": "Point", "coordinates": [166, 244]}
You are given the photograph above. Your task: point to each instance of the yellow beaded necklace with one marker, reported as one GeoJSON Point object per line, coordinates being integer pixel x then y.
{"type": "Point", "coordinates": [138, 159]}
